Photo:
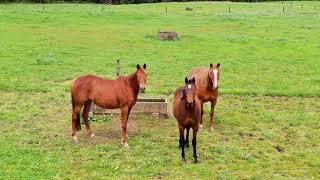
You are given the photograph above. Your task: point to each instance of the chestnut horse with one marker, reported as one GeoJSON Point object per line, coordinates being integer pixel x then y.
{"type": "Point", "coordinates": [110, 94]}
{"type": "Point", "coordinates": [207, 83]}
{"type": "Point", "coordinates": [187, 111]}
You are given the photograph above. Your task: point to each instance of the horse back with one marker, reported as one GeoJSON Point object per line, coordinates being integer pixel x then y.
{"type": "Point", "coordinates": [103, 92]}
{"type": "Point", "coordinates": [197, 72]}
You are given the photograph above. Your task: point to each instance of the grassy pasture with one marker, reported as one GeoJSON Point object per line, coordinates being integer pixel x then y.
{"type": "Point", "coordinates": [267, 120]}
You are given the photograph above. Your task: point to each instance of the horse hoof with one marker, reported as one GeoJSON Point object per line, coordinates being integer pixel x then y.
{"type": "Point", "coordinates": [75, 139]}
{"type": "Point", "coordinates": [211, 129]}
{"type": "Point", "coordinates": [126, 145]}
{"type": "Point", "coordinates": [92, 135]}
{"type": "Point", "coordinates": [200, 127]}
{"type": "Point", "coordinates": [187, 145]}
{"type": "Point", "coordinates": [195, 161]}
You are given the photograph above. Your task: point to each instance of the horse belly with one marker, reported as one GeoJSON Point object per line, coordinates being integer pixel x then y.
{"type": "Point", "coordinates": [207, 96]}
{"type": "Point", "coordinates": [108, 102]}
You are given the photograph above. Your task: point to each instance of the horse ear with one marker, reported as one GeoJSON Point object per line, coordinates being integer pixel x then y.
{"type": "Point", "coordinates": [138, 66]}
{"type": "Point", "coordinates": [193, 80]}
{"type": "Point", "coordinates": [186, 80]}
{"type": "Point", "coordinates": [144, 66]}
{"type": "Point", "coordinates": [211, 65]}
{"type": "Point", "coordinates": [218, 65]}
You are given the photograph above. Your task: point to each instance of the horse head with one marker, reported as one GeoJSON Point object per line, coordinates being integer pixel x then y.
{"type": "Point", "coordinates": [142, 77]}
{"type": "Point", "coordinates": [214, 75]}
{"type": "Point", "coordinates": [189, 92]}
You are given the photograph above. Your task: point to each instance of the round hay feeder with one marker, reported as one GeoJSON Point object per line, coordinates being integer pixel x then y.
{"type": "Point", "coordinates": [189, 9]}
{"type": "Point", "coordinates": [166, 35]}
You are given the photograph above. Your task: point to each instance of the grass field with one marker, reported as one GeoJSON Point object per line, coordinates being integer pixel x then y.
{"type": "Point", "coordinates": [267, 119]}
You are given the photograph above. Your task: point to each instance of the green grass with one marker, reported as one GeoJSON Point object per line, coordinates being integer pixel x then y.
{"type": "Point", "coordinates": [270, 89]}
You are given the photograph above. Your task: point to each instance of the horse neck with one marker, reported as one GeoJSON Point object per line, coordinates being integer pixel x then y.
{"type": "Point", "coordinates": [206, 79]}
{"type": "Point", "coordinates": [132, 83]}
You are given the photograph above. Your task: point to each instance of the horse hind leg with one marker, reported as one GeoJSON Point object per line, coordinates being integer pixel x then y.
{"type": "Point", "coordinates": [85, 116]}
{"type": "Point", "coordinates": [75, 122]}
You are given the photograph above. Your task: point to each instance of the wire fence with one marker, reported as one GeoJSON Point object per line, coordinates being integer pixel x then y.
{"type": "Point", "coordinates": [190, 8]}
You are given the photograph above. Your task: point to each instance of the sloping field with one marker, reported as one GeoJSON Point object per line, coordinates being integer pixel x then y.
{"type": "Point", "coordinates": [267, 119]}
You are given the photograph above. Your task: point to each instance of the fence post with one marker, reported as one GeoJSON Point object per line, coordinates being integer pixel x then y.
{"type": "Point", "coordinates": [118, 68]}
{"type": "Point", "coordinates": [229, 9]}
{"type": "Point", "coordinates": [166, 10]}
{"type": "Point", "coordinates": [282, 9]}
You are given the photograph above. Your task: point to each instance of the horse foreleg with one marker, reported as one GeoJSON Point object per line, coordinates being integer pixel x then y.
{"type": "Point", "coordinates": [201, 120]}
{"type": "Point", "coordinates": [124, 118]}
{"type": "Point", "coordinates": [213, 104]}
{"type": "Point", "coordinates": [75, 122]}
{"type": "Point", "coordinates": [85, 116]}
{"type": "Point", "coordinates": [187, 137]}
{"type": "Point", "coordinates": [182, 142]}
{"type": "Point", "coordinates": [194, 144]}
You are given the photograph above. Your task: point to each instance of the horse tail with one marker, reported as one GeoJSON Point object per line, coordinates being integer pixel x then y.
{"type": "Point", "coordinates": [78, 125]}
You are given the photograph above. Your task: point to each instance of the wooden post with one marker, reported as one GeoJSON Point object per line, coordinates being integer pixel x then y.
{"type": "Point", "coordinates": [282, 9]}
{"type": "Point", "coordinates": [229, 9]}
{"type": "Point", "coordinates": [42, 7]}
{"type": "Point", "coordinates": [166, 10]}
{"type": "Point", "coordinates": [301, 6]}
{"type": "Point", "coordinates": [102, 8]}
{"type": "Point", "coordinates": [118, 68]}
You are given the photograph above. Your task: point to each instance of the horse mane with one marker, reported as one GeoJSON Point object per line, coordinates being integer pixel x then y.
{"type": "Point", "coordinates": [131, 79]}
{"type": "Point", "coordinates": [203, 78]}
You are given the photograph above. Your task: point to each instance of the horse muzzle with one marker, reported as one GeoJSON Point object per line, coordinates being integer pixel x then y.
{"type": "Point", "coordinates": [190, 104]}
{"type": "Point", "coordinates": [142, 89]}
{"type": "Point", "coordinates": [215, 88]}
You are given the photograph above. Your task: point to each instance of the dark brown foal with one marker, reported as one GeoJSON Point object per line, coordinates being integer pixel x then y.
{"type": "Point", "coordinates": [187, 111]}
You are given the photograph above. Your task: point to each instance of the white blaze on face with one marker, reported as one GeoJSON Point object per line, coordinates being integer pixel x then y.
{"type": "Point", "coordinates": [215, 72]}
{"type": "Point", "coordinates": [189, 86]}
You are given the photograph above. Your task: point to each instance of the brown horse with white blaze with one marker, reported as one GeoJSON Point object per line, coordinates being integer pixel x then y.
{"type": "Point", "coordinates": [110, 94]}
{"type": "Point", "coordinates": [187, 111]}
{"type": "Point", "coordinates": [207, 83]}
